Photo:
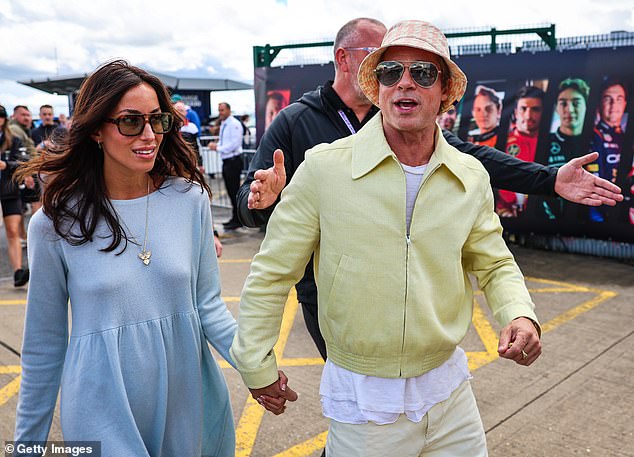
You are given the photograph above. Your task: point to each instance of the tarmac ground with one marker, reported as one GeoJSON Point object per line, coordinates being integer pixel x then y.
{"type": "Point", "coordinates": [576, 399]}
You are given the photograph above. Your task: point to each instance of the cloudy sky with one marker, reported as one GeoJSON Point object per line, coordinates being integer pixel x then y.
{"type": "Point", "coordinates": [215, 38]}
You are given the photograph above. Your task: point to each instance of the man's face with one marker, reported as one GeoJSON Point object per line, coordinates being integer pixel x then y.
{"type": "Point", "coordinates": [447, 120]}
{"type": "Point", "coordinates": [23, 117]}
{"type": "Point", "coordinates": [273, 107]}
{"type": "Point", "coordinates": [406, 106]}
{"type": "Point", "coordinates": [368, 36]}
{"type": "Point", "coordinates": [223, 111]}
{"type": "Point", "coordinates": [571, 108]}
{"type": "Point", "coordinates": [486, 113]}
{"type": "Point", "coordinates": [528, 115]}
{"type": "Point", "coordinates": [613, 105]}
{"type": "Point", "coordinates": [46, 116]}
{"type": "Point", "coordinates": [181, 110]}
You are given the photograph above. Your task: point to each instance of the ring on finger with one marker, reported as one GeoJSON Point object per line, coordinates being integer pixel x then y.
{"type": "Point", "coordinates": [524, 355]}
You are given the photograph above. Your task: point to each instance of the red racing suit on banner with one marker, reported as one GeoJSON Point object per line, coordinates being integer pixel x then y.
{"type": "Point", "coordinates": [523, 147]}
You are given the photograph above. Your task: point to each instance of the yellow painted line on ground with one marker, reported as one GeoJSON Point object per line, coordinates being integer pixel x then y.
{"type": "Point", "coordinates": [234, 260]}
{"type": "Point", "coordinates": [488, 336]}
{"type": "Point", "coordinates": [10, 369]}
{"type": "Point", "coordinates": [231, 299]}
{"type": "Point", "coordinates": [577, 310]}
{"type": "Point", "coordinates": [13, 387]}
{"type": "Point", "coordinates": [555, 290]}
{"type": "Point", "coordinates": [298, 362]}
{"type": "Point", "coordinates": [301, 362]}
{"type": "Point", "coordinates": [252, 413]}
{"type": "Point", "coordinates": [316, 443]}
{"type": "Point", "coordinates": [13, 302]}
{"type": "Point", "coordinates": [564, 285]}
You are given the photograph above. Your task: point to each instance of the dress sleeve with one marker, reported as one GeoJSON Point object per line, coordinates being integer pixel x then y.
{"type": "Point", "coordinates": [218, 324]}
{"type": "Point", "coordinates": [45, 332]}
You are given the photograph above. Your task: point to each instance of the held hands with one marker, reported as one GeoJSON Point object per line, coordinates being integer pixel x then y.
{"type": "Point", "coordinates": [268, 183]}
{"type": "Point", "coordinates": [274, 396]}
{"type": "Point", "coordinates": [575, 184]}
{"type": "Point", "coordinates": [519, 341]}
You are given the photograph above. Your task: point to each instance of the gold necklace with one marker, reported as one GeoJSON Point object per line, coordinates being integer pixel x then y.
{"type": "Point", "coordinates": [144, 255]}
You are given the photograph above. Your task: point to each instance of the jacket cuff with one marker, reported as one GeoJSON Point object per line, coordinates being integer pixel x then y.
{"type": "Point", "coordinates": [262, 377]}
{"type": "Point", "coordinates": [512, 312]}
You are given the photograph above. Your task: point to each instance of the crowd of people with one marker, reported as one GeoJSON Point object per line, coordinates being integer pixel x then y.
{"type": "Point", "coordinates": [19, 142]}
{"type": "Point", "coordinates": [393, 210]}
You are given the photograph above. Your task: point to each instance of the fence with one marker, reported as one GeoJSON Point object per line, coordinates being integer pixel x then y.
{"type": "Point", "coordinates": [212, 164]}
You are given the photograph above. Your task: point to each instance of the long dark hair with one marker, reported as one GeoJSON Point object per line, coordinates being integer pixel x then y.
{"type": "Point", "coordinates": [7, 138]}
{"type": "Point", "coordinates": [75, 195]}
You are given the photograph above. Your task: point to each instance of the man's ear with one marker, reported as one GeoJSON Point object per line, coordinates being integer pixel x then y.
{"type": "Point", "coordinates": [341, 59]}
{"type": "Point", "coordinates": [445, 95]}
{"type": "Point", "coordinates": [445, 90]}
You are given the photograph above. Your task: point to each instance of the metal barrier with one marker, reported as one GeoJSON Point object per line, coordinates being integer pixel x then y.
{"type": "Point", "coordinates": [212, 164]}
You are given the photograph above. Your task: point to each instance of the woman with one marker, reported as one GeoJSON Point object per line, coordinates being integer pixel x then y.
{"type": "Point", "coordinates": [12, 152]}
{"type": "Point", "coordinates": [126, 235]}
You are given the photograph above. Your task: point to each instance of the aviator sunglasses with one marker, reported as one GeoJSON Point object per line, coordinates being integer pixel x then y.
{"type": "Point", "coordinates": [425, 74]}
{"type": "Point", "coordinates": [133, 124]}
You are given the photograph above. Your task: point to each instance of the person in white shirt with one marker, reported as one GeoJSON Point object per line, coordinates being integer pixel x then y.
{"type": "Point", "coordinates": [230, 148]}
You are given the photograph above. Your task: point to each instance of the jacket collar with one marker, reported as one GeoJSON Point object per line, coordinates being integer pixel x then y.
{"type": "Point", "coordinates": [370, 148]}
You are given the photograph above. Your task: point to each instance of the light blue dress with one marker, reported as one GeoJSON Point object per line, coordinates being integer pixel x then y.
{"type": "Point", "coordinates": [136, 373]}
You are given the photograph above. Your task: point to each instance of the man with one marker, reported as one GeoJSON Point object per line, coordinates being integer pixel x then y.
{"type": "Point", "coordinates": [42, 133]}
{"type": "Point", "coordinates": [41, 137]}
{"type": "Point", "coordinates": [20, 125]}
{"type": "Point", "coordinates": [608, 135]}
{"type": "Point", "coordinates": [192, 116]}
{"type": "Point", "coordinates": [397, 218]}
{"type": "Point", "coordinates": [571, 109]}
{"type": "Point", "coordinates": [339, 109]}
{"type": "Point", "coordinates": [274, 104]}
{"type": "Point", "coordinates": [447, 121]}
{"type": "Point", "coordinates": [486, 112]}
{"type": "Point", "coordinates": [230, 148]}
{"type": "Point", "coordinates": [565, 142]}
{"type": "Point", "coordinates": [522, 143]}
{"type": "Point", "coordinates": [609, 131]}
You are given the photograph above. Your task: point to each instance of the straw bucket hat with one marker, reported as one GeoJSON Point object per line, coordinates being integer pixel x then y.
{"type": "Point", "coordinates": [419, 35]}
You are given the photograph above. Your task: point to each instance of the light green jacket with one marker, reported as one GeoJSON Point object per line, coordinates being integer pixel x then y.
{"type": "Point", "coordinates": [389, 305]}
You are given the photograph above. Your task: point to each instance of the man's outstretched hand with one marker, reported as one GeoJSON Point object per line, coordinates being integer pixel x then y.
{"type": "Point", "coordinates": [267, 184]}
{"type": "Point", "coordinates": [576, 184]}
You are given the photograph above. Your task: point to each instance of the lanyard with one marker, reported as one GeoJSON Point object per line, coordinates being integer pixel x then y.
{"type": "Point", "coordinates": [347, 121]}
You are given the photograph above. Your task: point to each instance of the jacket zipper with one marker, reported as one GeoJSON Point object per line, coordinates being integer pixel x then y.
{"type": "Point", "coordinates": [408, 245]}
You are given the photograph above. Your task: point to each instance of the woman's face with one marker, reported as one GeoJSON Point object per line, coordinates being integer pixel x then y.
{"type": "Point", "coordinates": [128, 157]}
{"type": "Point", "coordinates": [485, 113]}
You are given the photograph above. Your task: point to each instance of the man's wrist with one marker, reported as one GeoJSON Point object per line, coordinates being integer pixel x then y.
{"type": "Point", "coordinates": [535, 324]}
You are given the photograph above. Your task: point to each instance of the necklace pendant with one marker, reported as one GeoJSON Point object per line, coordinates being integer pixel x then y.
{"type": "Point", "coordinates": [145, 256]}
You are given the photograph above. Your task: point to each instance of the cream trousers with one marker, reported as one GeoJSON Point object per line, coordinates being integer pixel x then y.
{"type": "Point", "coordinates": [451, 428]}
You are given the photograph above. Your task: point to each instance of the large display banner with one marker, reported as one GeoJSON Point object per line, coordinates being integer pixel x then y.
{"type": "Point", "coordinates": [276, 87]}
{"type": "Point", "coordinates": [547, 107]}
